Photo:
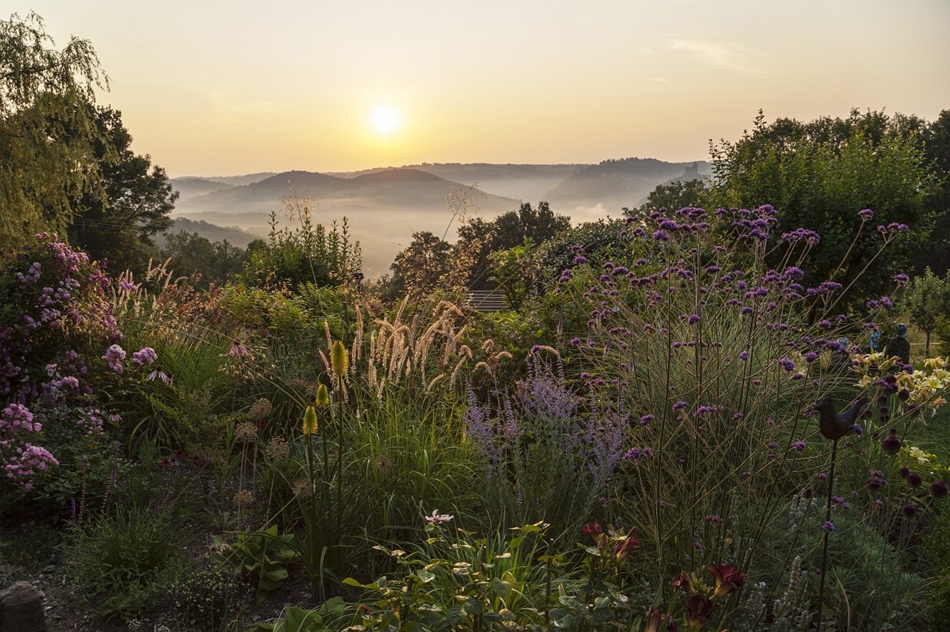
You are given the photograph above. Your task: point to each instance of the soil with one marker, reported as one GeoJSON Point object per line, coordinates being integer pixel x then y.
{"type": "Point", "coordinates": [64, 615]}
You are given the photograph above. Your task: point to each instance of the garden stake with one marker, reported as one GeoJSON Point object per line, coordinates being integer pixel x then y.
{"type": "Point", "coordinates": [824, 554]}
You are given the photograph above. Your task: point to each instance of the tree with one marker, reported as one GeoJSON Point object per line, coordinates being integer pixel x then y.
{"type": "Point", "coordinates": [118, 227]}
{"type": "Point", "coordinates": [214, 262]}
{"type": "Point", "coordinates": [936, 252]}
{"type": "Point", "coordinates": [672, 196]}
{"type": "Point", "coordinates": [47, 130]}
{"type": "Point", "coordinates": [423, 265]}
{"type": "Point", "coordinates": [928, 301]}
{"type": "Point", "coordinates": [514, 270]}
{"type": "Point", "coordinates": [819, 175]}
{"type": "Point", "coordinates": [505, 232]}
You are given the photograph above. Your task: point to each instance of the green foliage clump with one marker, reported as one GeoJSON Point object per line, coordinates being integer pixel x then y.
{"type": "Point", "coordinates": [308, 253]}
{"type": "Point", "coordinates": [927, 299]}
{"type": "Point", "coordinates": [261, 556]}
{"type": "Point", "coordinates": [123, 565]}
{"type": "Point", "coordinates": [207, 262]}
{"type": "Point", "coordinates": [208, 599]}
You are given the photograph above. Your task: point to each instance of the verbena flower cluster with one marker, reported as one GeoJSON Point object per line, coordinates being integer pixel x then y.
{"type": "Point", "coordinates": [720, 358]}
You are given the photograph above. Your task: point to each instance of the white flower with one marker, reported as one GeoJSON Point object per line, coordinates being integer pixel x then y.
{"type": "Point", "coordinates": [437, 518]}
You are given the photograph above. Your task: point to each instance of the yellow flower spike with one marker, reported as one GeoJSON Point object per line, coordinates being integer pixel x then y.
{"type": "Point", "coordinates": [339, 361]}
{"type": "Point", "coordinates": [310, 421]}
{"type": "Point", "coordinates": [323, 396]}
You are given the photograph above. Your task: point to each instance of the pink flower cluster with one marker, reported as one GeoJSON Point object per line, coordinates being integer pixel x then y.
{"type": "Point", "coordinates": [114, 357]}
{"type": "Point", "coordinates": [19, 458]}
{"type": "Point", "coordinates": [116, 354]}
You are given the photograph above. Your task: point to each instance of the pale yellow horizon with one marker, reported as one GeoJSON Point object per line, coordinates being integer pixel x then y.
{"type": "Point", "coordinates": [229, 88]}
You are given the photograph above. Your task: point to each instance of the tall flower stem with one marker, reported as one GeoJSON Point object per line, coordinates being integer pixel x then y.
{"type": "Point", "coordinates": [824, 554]}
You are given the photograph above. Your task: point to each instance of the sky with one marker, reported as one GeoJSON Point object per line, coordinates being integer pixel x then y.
{"type": "Point", "coordinates": [240, 86]}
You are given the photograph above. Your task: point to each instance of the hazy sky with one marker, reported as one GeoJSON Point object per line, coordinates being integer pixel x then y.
{"type": "Point", "coordinates": [238, 86]}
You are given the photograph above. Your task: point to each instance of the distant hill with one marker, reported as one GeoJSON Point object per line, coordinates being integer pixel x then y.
{"type": "Point", "coordinates": [528, 183]}
{"type": "Point", "coordinates": [385, 206]}
{"type": "Point", "coordinates": [240, 181]}
{"type": "Point", "coordinates": [190, 187]}
{"type": "Point", "coordinates": [388, 189]}
{"type": "Point", "coordinates": [614, 184]}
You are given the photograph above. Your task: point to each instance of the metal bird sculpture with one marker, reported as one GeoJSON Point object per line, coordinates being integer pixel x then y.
{"type": "Point", "coordinates": [834, 425]}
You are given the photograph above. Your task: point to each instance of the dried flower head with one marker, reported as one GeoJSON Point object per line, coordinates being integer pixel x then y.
{"type": "Point", "coordinates": [260, 410]}
{"type": "Point", "coordinates": [277, 448]}
{"type": "Point", "coordinates": [245, 431]}
{"type": "Point", "coordinates": [302, 487]}
{"type": "Point", "coordinates": [243, 498]}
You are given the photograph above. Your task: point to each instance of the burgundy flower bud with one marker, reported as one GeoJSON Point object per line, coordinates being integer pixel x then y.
{"type": "Point", "coordinates": [914, 480]}
{"type": "Point", "coordinates": [909, 510]}
{"type": "Point", "coordinates": [938, 489]}
{"type": "Point", "coordinates": [904, 472]}
{"type": "Point", "coordinates": [891, 444]}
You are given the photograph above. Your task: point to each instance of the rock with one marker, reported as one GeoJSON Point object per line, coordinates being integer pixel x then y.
{"type": "Point", "coordinates": [21, 609]}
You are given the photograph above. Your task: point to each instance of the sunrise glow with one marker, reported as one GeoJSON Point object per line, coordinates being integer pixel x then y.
{"type": "Point", "coordinates": [385, 120]}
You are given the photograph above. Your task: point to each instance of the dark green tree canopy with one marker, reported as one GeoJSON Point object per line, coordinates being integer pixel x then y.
{"type": "Point", "coordinates": [509, 230]}
{"type": "Point", "coordinates": [819, 175]}
{"type": "Point", "coordinates": [672, 196]}
{"type": "Point", "coordinates": [423, 266]}
{"type": "Point", "coordinates": [206, 262]}
{"type": "Point", "coordinates": [118, 227]}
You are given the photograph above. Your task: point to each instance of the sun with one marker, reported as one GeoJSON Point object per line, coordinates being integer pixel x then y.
{"type": "Point", "coordinates": [385, 120]}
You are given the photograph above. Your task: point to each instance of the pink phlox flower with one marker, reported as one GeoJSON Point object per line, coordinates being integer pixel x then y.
{"type": "Point", "coordinates": [114, 357]}
{"type": "Point", "coordinates": [144, 356]}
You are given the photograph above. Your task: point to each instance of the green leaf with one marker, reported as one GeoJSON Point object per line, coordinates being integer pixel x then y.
{"type": "Point", "coordinates": [500, 588]}
{"type": "Point", "coordinates": [603, 614]}
{"type": "Point", "coordinates": [474, 607]}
